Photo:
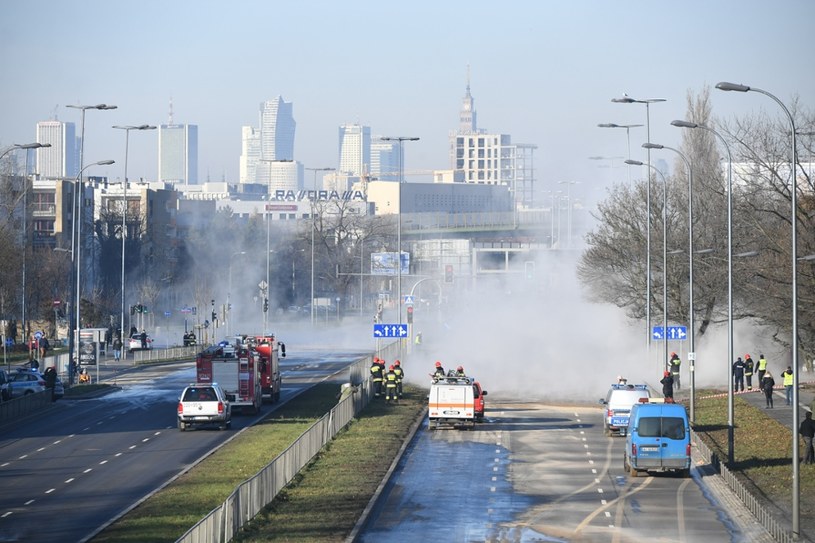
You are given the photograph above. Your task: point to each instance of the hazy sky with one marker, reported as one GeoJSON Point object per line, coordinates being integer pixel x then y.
{"type": "Point", "coordinates": [543, 72]}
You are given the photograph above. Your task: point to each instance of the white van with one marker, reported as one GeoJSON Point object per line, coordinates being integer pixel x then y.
{"type": "Point", "coordinates": [451, 402]}
{"type": "Point", "coordinates": [658, 439]}
{"type": "Point", "coordinates": [618, 403]}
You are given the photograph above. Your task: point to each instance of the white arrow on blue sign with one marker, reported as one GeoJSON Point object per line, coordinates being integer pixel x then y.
{"type": "Point", "coordinates": [390, 330]}
{"type": "Point", "coordinates": [679, 333]}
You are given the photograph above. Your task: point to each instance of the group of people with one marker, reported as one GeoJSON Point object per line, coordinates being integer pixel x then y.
{"type": "Point", "coordinates": [387, 383]}
{"type": "Point", "coordinates": [438, 371]}
{"type": "Point", "coordinates": [743, 370]}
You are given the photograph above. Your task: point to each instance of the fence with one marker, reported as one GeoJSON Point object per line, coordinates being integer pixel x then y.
{"type": "Point", "coordinates": [766, 519]}
{"type": "Point", "coordinates": [251, 496]}
{"type": "Point", "coordinates": [18, 407]}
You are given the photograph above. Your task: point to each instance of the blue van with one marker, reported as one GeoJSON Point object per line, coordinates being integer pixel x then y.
{"type": "Point", "coordinates": [658, 439]}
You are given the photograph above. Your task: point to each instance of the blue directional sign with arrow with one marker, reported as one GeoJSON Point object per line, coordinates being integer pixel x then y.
{"type": "Point", "coordinates": [679, 333]}
{"type": "Point", "coordinates": [390, 330]}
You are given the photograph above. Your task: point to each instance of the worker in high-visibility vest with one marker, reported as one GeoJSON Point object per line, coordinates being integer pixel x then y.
{"type": "Point", "coordinates": [400, 375]}
{"type": "Point", "coordinates": [788, 383]}
{"type": "Point", "coordinates": [762, 367]}
{"type": "Point", "coordinates": [390, 385]}
{"type": "Point", "coordinates": [376, 377]}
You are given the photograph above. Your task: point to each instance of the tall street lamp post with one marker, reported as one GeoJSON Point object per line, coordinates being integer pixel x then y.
{"type": "Point", "coordinates": [648, 101]}
{"type": "Point", "coordinates": [315, 170]}
{"type": "Point", "coordinates": [730, 355]}
{"type": "Point", "coordinates": [664, 253]}
{"type": "Point", "coordinates": [265, 303]}
{"type": "Point", "coordinates": [691, 329]}
{"type": "Point", "coordinates": [127, 130]}
{"type": "Point", "coordinates": [77, 255]}
{"type": "Point", "coordinates": [400, 139]}
{"type": "Point", "coordinates": [796, 482]}
{"type": "Point", "coordinates": [628, 128]}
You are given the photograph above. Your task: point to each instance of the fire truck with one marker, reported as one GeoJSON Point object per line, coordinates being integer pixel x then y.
{"type": "Point", "coordinates": [270, 350]}
{"type": "Point", "coordinates": [236, 369]}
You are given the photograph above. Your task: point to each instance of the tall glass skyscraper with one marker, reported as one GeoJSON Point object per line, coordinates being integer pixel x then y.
{"type": "Point", "coordinates": [178, 153]}
{"type": "Point", "coordinates": [355, 149]}
{"type": "Point", "coordinates": [61, 160]}
{"type": "Point", "coordinates": [277, 130]}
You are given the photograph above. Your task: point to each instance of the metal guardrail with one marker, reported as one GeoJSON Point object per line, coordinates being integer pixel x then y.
{"type": "Point", "coordinates": [15, 408]}
{"type": "Point", "coordinates": [764, 517]}
{"type": "Point", "coordinates": [251, 496]}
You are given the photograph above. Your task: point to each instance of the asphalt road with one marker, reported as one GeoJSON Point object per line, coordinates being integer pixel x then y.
{"type": "Point", "coordinates": [536, 472]}
{"type": "Point", "coordinates": [69, 471]}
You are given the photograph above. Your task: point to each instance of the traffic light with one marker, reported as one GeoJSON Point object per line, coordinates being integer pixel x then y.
{"type": "Point", "coordinates": [448, 273]}
{"type": "Point", "coordinates": [410, 314]}
{"type": "Point", "coordinates": [214, 316]}
{"type": "Point", "coordinates": [265, 305]}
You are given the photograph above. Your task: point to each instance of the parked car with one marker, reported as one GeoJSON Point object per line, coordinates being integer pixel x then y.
{"type": "Point", "coordinates": [135, 343]}
{"type": "Point", "coordinates": [27, 381]}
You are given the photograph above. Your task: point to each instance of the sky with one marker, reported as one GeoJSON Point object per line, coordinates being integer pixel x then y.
{"type": "Point", "coordinates": [544, 72]}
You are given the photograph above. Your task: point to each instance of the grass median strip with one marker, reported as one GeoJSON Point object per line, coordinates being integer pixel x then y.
{"type": "Point", "coordinates": [329, 495]}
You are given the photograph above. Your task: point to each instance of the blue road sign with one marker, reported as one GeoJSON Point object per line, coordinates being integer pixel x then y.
{"type": "Point", "coordinates": [408, 299]}
{"type": "Point", "coordinates": [390, 330]}
{"type": "Point", "coordinates": [677, 333]}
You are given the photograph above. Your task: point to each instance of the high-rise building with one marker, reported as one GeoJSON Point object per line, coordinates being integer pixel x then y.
{"type": "Point", "coordinates": [178, 153]}
{"type": "Point", "coordinates": [250, 153]}
{"type": "Point", "coordinates": [61, 160]}
{"type": "Point", "coordinates": [384, 160]}
{"type": "Point", "coordinates": [277, 130]}
{"type": "Point", "coordinates": [355, 149]}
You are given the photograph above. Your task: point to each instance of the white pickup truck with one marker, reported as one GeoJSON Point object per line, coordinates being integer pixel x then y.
{"type": "Point", "coordinates": [451, 402]}
{"type": "Point", "coordinates": [204, 404]}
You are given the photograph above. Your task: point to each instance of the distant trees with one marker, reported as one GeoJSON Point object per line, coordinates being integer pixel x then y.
{"type": "Point", "coordinates": [613, 266]}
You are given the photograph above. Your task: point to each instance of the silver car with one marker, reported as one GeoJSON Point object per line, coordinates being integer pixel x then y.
{"type": "Point", "coordinates": [26, 381]}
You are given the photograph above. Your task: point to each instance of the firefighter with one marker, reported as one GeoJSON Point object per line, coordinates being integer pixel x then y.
{"type": "Point", "coordinates": [390, 385]}
{"type": "Point", "coordinates": [460, 372]}
{"type": "Point", "coordinates": [376, 377]}
{"type": "Point", "coordinates": [667, 387]}
{"type": "Point", "coordinates": [400, 374]}
{"type": "Point", "coordinates": [675, 364]}
{"type": "Point", "coordinates": [438, 372]}
{"type": "Point", "coordinates": [748, 371]}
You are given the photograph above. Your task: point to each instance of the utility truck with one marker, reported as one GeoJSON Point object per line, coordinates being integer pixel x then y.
{"type": "Point", "coordinates": [451, 402]}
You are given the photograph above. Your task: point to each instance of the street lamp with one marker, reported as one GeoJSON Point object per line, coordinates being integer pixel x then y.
{"type": "Point", "coordinates": [400, 139]}
{"type": "Point", "coordinates": [692, 350]}
{"type": "Point", "coordinates": [265, 304]}
{"type": "Point", "coordinates": [315, 170]}
{"type": "Point", "coordinates": [664, 252]}
{"type": "Point", "coordinates": [229, 295]}
{"type": "Point", "coordinates": [648, 101]}
{"type": "Point", "coordinates": [628, 128]}
{"type": "Point", "coordinates": [796, 482]}
{"type": "Point", "coordinates": [127, 130]}
{"type": "Point", "coordinates": [730, 355]}
{"type": "Point", "coordinates": [77, 255]}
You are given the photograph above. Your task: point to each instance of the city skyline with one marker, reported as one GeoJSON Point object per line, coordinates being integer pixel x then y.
{"type": "Point", "coordinates": [544, 73]}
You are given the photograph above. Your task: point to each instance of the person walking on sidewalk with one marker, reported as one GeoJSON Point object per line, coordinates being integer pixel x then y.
{"type": "Point", "coordinates": [807, 430]}
{"type": "Point", "coordinates": [788, 382]}
{"type": "Point", "coordinates": [117, 349]}
{"type": "Point", "coordinates": [767, 384]}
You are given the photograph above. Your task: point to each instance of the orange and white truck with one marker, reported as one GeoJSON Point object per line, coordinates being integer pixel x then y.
{"type": "Point", "coordinates": [451, 402]}
{"type": "Point", "coordinates": [236, 369]}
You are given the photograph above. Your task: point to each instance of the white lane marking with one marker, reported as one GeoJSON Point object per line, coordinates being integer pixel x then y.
{"type": "Point", "coordinates": [608, 513]}
{"type": "Point", "coordinates": [596, 480]}
{"type": "Point", "coordinates": [69, 480]}
{"type": "Point", "coordinates": [50, 490]}
{"type": "Point", "coordinates": [23, 456]}
{"type": "Point", "coordinates": [4, 464]}
{"type": "Point", "coordinates": [88, 470]}
{"type": "Point", "coordinates": [492, 489]}
{"type": "Point", "coordinates": [494, 469]}
{"type": "Point", "coordinates": [603, 502]}
{"type": "Point", "coordinates": [145, 440]}
{"type": "Point", "coordinates": [57, 441]}
{"type": "Point", "coordinates": [132, 447]}
{"type": "Point", "coordinates": [118, 454]}
{"type": "Point", "coordinates": [600, 490]}
{"type": "Point", "coordinates": [29, 502]}
{"type": "Point", "coordinates": [103, 462]}
{"type": "Point", "coordinates": [495, 478]}
{"type": "Point", "coordinates": [157, 433]}
{"type": "Point", "coordinates": [593, 470]}
{"type": "Point", "coordinates": [41, 449]}
{"type": "Point", "coordinates": [7, 513]}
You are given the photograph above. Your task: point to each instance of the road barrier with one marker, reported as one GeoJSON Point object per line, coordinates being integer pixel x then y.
{"type": "Point", "coordinates": [16, 408]}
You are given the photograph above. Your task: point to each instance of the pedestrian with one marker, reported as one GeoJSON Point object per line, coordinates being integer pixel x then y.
{"type": "Point", "coordinates": [34, 364]}
{"type": "Point", "coordinates": [133, 331]}
{"type": "Point", "coordinates": [50, 376]}
{"type": "Point", "coordinates": [390, 385]}
{"type": "Point", "coordinates": [376, 377]}
{"type": "Point", "coordinates": [674, 364]}
{"type": "Point", "coordinates": [738, 375]}
{"type": "Point", "coordinates": [44, 346]}
{"type": "Point", "coordinates": [749, 365]}
{"type": "Point", "coordinates": [117, 349]}
{"type": "Point", "coordinates": [143, 339]}
{"type": "Point", "coordinates": [400, 375]}
{"type": "Point", "coordinates": [667, 387]}
{"type": "Point", "coordinates": [767, 384]}
{"type": "Point", "coordinates": [438, 372]}
{"type": "Point", "coordinates": [807, 430]}
{"type": "Point", "coordinates": [788, 382]}
{"type": "Point", "coordinates": [762, 367]}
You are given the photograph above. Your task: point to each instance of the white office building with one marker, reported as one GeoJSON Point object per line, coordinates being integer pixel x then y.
{"type": "Point", "coordinates": [61, 160]}
{"type": "Point", "coordinates": [250, 153]}
{"type": "Point", "coordinates": [178, 154]}
{"type": "Point", "coordinates": [354, 150]}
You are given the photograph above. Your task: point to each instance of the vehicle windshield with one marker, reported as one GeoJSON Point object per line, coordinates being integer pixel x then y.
{"type": "Point", "coordinates": [199, 395]}
{"type": "Point", "coordinates": [669, 427]}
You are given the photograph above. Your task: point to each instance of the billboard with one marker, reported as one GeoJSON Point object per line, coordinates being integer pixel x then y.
{"type": "Point", "coordinates": [385, 263]}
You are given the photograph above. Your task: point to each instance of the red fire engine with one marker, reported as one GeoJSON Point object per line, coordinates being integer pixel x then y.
{"type": "Point", "coordinates": [270, 351]}
{"type": "Point", "coordinates": [236, 369]}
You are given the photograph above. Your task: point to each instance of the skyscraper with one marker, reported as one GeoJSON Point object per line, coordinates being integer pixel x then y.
{"type": "Point", "coordinates": [250, 153]}
{"type": "Point", "coordinates": [61, 160]}
{"type": "Point", "coordinates": [384, 160]}
{"type": "Point", "coordinates": [277, 130]}
{"type": "Point", "coordinates": [178, 153]}
{"type": "Point", "coordinates": [355, 149]}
